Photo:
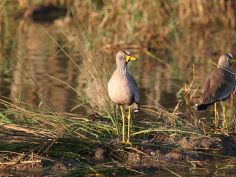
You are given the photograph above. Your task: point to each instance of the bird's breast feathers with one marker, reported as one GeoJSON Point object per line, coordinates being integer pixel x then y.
{"type": "Point", "coordinates": [119, 91]}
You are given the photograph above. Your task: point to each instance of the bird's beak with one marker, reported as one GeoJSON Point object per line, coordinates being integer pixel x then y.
{"type": "Point", "coordinates": [233, 60]}
{"type": "Point", "coordinates": [130, 58]}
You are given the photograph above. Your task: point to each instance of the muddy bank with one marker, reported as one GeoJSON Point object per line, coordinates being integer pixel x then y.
{"type": "Point", "coordinates": [50, 156]}
{"type": "Point", "coordinates": [184, 149]}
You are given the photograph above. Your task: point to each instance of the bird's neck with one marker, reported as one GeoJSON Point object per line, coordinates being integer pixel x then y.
{"type": "Point", "coordinates": [224, 67]}
{"type": "Point", "coordinates": [122, 69]}
{"type": "Point", "coordinates": [228, 69]}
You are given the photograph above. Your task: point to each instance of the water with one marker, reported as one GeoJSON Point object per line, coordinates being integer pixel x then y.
{"type": "Point", "coordinates": [36, 71]}
{"type": "Point", "coordinates": [39, 73]}
{"type": "Point", "coordinates": [178, 169]}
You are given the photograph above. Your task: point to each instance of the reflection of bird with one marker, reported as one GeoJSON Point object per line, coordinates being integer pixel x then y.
{"type": "Point", "coordinates": [123, 89]}
{"type": "Point", "coordinates": [219, 84]}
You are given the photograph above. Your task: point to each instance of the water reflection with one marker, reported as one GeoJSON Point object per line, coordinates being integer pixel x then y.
{"type": "Point", "coordinates": [43, 72]}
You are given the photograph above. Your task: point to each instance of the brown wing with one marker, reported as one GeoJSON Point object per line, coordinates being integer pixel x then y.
{"type": "Point", "coordinates": [227, 86]}
{"type": "Point", "coordinates": [207, 98]}
{"type": "Point", "coordinates": [206, 85]}
{"type": "Point", "coordinates": [218, 86]}
{"type": "Point", "coordinates": [212, 85]}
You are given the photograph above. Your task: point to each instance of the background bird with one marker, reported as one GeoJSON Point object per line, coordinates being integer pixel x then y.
{"type": "Point", "coordinates": [123, 89]}
{"type": "Point", "coordinates": [219, 84]}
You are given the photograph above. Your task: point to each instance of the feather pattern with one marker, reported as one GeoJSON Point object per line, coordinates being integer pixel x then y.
{"type": "Point", "coordinates": [218, 86]}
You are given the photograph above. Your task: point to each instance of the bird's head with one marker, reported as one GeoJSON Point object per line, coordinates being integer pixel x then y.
{"type": "Point", "coordinates": [123, 57]}
{"type": "Point", "coordinates": [226, 60]}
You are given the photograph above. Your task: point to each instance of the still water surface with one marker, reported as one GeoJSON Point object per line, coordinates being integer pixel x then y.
{"type": "Point", "coordinates": [36, 71]}
{"type": "Point", "coordinates": [41, 63]}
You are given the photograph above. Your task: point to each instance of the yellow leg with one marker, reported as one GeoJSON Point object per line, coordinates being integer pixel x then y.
{"type": "Point", "coordinates": [129, 117]}
{"type": "Point", "coordinates": [123, 123]}
{"type": "Point", "coordinates": [225, 125]}
{"type": "Point", "coordinates": [216, 120]}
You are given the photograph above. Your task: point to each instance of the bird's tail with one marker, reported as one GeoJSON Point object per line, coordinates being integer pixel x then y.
{"type": "Point", "coordinates": [202, 107]}
{"type": "Point", "coordinates": [136, 107]}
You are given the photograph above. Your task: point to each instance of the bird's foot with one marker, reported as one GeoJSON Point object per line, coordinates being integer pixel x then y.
{"type": "Point", "coordinates": [128, 142]}
{"type": "Point", "coordinates": [217, 130]}
{"type": "Point", "coordinates": [221, 130]}
{"type": "Point", "coordinates": [225, 132]}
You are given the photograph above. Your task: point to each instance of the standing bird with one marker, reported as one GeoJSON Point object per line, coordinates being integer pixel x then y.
{"type": "Point", "coordinates": [123, 89]}
{"type": "Point", "coordinates": [219, 84]}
